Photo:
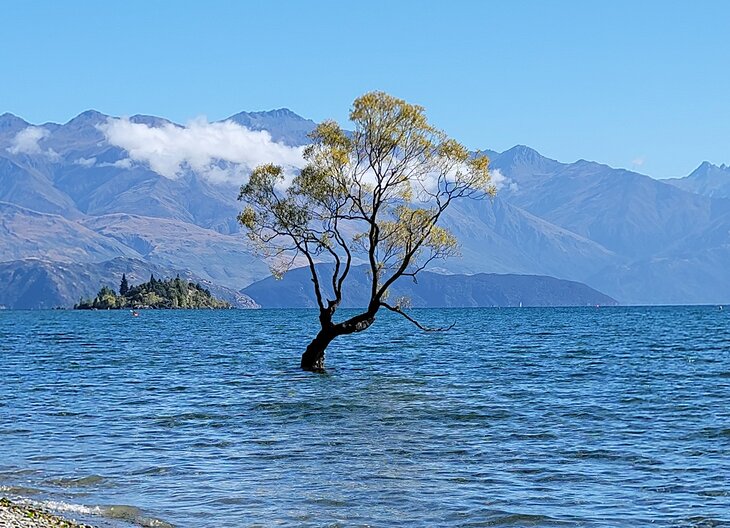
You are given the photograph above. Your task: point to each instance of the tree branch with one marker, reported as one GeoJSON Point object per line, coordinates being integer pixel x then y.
{"type": "Point", "coordinates": [398, 310]}
{"type": "Point", "coordinates": [315, 278]}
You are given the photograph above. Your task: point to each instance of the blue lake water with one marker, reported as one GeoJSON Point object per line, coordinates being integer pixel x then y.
{"type": "Point", "coordinates": [516, 417]}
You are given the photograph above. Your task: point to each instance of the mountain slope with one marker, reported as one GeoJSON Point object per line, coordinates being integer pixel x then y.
{"type": "Point", "coordinates": [10, 125]}
{"type": "Point", "coordinates": [498, 237]}
{"type": "Point", "coordinates": [626, 212]}
{"type": "Point", "coordinates": [27, 187]}
{"type": "Point", "coordinates": [432, 291]}
{"type": "Point", "coordinates": [25, 233]}
{"type": "Point", "coordinates": [284, 125]}
{"type": "Point", "coordinates": [693, 270]}
{"type": "Point", "coordinates": [222, 259]}
{"type": "Point", "coordinates": [707, 180]}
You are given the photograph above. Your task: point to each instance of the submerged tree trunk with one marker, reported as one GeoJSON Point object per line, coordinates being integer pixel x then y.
{"type": "Point", "coordinates": [313, 357]}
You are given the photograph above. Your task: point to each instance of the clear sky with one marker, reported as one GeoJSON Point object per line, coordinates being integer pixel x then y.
{"type": "Point", "coordinates": [638, 84]}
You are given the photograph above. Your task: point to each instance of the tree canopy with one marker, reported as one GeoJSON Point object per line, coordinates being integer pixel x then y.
{"type": "Point", "coordinates": [373, 195]}
{"type": "Point", "coordinates": [160, 294]}
{"type": "Point", "coordinates": [123, 285]}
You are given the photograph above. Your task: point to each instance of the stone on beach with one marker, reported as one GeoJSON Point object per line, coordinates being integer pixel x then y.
{"type": "Point", "coordinates": [14, 515]}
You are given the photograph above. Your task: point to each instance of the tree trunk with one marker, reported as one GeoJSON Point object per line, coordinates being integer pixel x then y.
{"type": "Point", "coordinates": [313, 357]}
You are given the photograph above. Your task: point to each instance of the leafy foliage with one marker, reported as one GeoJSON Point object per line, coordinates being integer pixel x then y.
{"type": "Point", "coordinates": [123, 285]}
{"type": "Point", "coordinates": [172, 293]}
{"type": "Point", "coordinates": [374, 195]}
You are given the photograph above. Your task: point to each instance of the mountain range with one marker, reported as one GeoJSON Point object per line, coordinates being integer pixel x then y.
{"type": "Point", "coordinates": [432, 290]}
{"type": "Point", "coordinates": [141, 190]}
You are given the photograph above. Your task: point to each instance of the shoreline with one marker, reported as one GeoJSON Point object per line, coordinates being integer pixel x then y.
{"type": "Point", "coordinates": [14, 515]}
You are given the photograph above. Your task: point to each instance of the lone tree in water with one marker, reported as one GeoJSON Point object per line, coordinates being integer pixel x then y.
{"type": "Point", "coordinates": [376, 195]}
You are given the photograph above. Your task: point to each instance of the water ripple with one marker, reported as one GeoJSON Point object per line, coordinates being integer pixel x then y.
{"type": "Point", "coordinates": [517, 417]}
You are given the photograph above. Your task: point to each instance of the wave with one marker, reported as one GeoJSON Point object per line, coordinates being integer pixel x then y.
{"type": "Point", "coordinates": [66, 507]}
{"type": "Point", "coordinates": [130, 515]}
{"type": "Point", "coordinates": [77, 482]}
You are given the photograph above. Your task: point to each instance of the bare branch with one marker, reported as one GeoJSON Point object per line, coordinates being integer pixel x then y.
{"type": "Point", "coordinates": [398, 310]}
{"type": "Point", "coordinates": [315, 277]}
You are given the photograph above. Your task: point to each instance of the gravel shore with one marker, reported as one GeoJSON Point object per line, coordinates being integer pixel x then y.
{"type": "Point", "coordinates": [14, 515]}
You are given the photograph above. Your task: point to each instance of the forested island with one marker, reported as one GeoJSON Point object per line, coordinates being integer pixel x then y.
{"type": "Point", "coordinates": [174, 293]}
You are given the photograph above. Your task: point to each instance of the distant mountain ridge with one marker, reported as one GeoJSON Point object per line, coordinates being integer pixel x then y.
{"type": "Point", "coordinates": [69, 195]}
{"type": "Point", "coordinates": [707, 180]}
{"type": "Point", "coordinates": [42, 284]}
{"type": "Point", "coordinates": [433, 290]}
{"type": "Point", "coordinates": [284, 125]}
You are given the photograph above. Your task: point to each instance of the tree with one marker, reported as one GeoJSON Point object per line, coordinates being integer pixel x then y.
{"type": "Point", "coordinates": [124, 286]}
{"type": "Point", "coordinates": [376, 195]}
{"type": "Point", "coordinates": [106, 299]}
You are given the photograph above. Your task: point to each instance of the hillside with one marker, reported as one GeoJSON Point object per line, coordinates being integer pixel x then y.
{"type": "Point", "coordinates": [433, 290]}
{"type": "Point", "coordinates": [38, 284]}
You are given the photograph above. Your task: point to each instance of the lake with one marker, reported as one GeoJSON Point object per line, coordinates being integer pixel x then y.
{"type": "Point", "coordinates": [516, 417]}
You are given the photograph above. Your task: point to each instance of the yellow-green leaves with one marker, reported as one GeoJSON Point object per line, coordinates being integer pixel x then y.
{"type": "Point", "coordinates": [481, 179]}
{"type": "Point", "coordinates": [440, 239]}
{"type": "Point", "coordinates": [325, 240]}
{"type": "Point", "coordinates": [375, 194]}
{"type": "Point", "coordinates": [386, 126]}
{"type": "Point", "coordinates": [331, 148]}
{"type": "Point", "coordinates": [261, 182]}
{"type": "Point", "coordinates": [265, 175]}
{"type": "Point", "coordinates": [410, 228]}
{"type": "Point", "coordinates": [330, 134]}
{"type": "Point", "coordinates": [405, 191]}
{"type": "Point", "coordinates": [314, 183]}
{"type": "Point", "coordinates": [247, 218]}
{"type": "Point", "coordinates": [453, 151]}
{"type": "Point", "coordinates": [380, 110]}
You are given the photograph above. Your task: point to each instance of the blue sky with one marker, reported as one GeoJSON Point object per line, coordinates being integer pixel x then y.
{"type": "Point", "coordinates": [642, 85]}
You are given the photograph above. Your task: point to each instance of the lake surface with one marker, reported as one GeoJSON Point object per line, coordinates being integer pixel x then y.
{"type": "Point", "coordinates": [516, 417]}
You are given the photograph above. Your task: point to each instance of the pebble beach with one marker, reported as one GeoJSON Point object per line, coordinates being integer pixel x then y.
{"type": "Point", "coordinates": [13, 515]}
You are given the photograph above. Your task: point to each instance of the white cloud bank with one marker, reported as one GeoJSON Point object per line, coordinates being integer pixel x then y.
{"type": "Point", "coordinates": [220, 152]}
{"type": "Point", "coordinates": [85, 162]}
{"type": "Point", "coordinates": [27, 141]}
{"type": "Point", "coordinates": [502, 182]}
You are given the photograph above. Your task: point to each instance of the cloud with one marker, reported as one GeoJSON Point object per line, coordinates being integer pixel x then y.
{"type": "Point", "coordinates": [26, 141]}
{"type": "Point", "coordinates": [85, 162]}
{"type": "Point", "coordinates": [124, 163]}
{"type": "Point", "coordinates": [221, 152]}
{"type": "Point", "coordinates": [502, 182]}
{"type": "Point", "coordinates": [427, 179]}
{"type": "Point", "coordinates": [638, 162]}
